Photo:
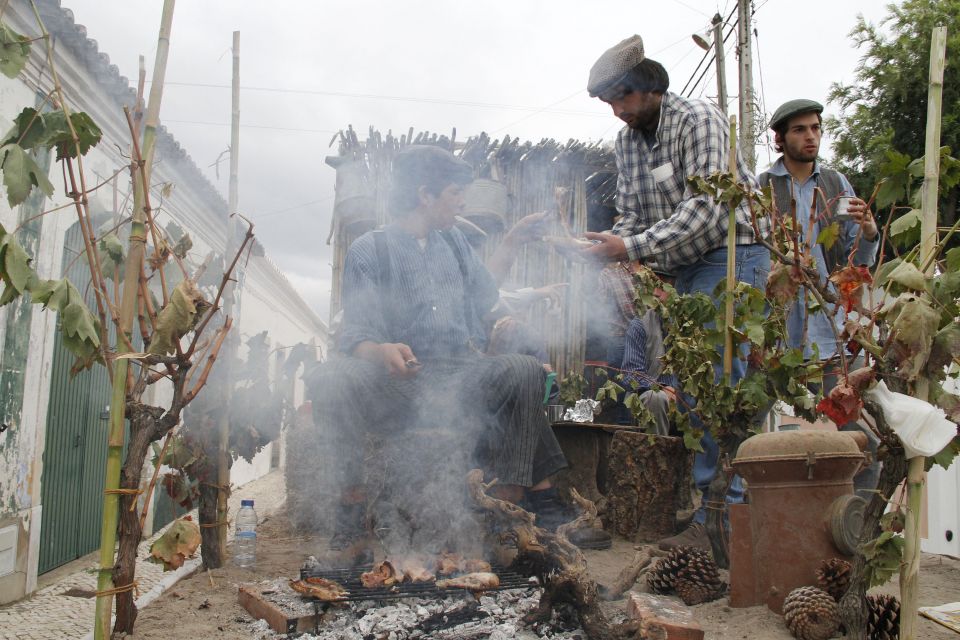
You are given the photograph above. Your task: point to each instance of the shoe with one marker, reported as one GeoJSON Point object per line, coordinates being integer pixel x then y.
{"type": "Point", "coordinates": [549, 510]}
{"type": "Point", "coordinates": [350, 538]}
{"type": "Point", "coordinates": [693, 536]}
{"type": "Point", "coordinates": [591, 538]}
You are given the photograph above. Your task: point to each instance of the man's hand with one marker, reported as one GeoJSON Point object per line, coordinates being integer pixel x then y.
{"type": "Point", "coordinates": [396, 357]}
{"type": "Point", "coordinates": [529, 228]}
{"type": "Point", "coordinates": [610, 248]}
{"type": "Point", "coordinates": [862, 215]}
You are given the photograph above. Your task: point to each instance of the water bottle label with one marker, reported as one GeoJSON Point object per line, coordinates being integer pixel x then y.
{"type": "Point", "coordinates": [247, 534]}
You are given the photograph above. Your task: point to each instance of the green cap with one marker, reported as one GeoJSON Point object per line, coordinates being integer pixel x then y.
{"type": "Point", "coordinates": [794, 108]}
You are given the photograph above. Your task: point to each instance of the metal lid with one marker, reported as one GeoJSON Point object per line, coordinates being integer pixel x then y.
{"type": "Point", "coordinates": [789, 445]}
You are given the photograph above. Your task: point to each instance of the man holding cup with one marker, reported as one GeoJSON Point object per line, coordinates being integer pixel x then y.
{"type": "Point", "coordinates": [822, 196]}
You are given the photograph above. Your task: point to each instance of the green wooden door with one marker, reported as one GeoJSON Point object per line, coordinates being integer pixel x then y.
{"type": "Point", "coordinates": [75, 450]}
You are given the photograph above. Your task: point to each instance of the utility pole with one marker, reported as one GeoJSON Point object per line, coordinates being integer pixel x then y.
{"type": "Point", "coordinates": [747, 137]}
{"type": "Point", "coordinates": [721, 63]}
{"type": "Point", "coordinates": [230, 308]}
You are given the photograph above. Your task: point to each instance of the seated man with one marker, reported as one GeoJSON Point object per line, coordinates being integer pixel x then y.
{"type": "Point", "coordinates": [643, 347]}
{"type": "Point", "coordinates": [410, 351]}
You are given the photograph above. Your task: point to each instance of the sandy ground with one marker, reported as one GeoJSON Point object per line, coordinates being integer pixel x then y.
{"type": "Point", "coordinates": [205, 605]}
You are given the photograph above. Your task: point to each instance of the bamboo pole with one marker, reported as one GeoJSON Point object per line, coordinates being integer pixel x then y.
{"type": "Point", "coordinates": [135, 254]}
{"type": "Point", "coordinates": [910, 566]}
{"type": "Point", "coordinates": [731, 260]}
{"type": "Point", "coordinates": [229, 304]}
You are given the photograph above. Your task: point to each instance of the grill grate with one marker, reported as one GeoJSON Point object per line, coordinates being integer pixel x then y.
{"type": "Point", "coordinates": [350, 580]}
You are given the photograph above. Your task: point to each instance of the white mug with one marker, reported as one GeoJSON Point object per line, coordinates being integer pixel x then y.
{"type": "Point", "coordinates": [843, 203]}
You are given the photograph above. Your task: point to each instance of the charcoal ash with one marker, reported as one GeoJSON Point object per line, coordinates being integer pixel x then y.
{"type": "Point", "coordinates": [496, 616]}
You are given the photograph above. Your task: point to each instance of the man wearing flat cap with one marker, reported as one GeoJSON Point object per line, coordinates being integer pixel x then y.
{"type": "Point", "coordinates": [668, 138]}
{"type": "Point", "coordinates": [823, 197]}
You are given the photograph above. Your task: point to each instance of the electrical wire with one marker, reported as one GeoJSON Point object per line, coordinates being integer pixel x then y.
{"type": "Point", "coordinates": [726, 23]}
{"type": "Point", "coordinates": [372, 96]}
{"type": "Point", "coordinates": [250, 126]}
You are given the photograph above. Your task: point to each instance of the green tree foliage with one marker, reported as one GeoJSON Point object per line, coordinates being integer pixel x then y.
{"type": "Point", "coordinates": [883, 113]}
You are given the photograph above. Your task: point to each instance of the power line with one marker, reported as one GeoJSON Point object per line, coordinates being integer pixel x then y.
{"type": "Point", "coordinates": [710, 66]}
{"type": "Point", "coordinates": [251, 126]}
{"type": "Point", "coordinates": [372, 96]}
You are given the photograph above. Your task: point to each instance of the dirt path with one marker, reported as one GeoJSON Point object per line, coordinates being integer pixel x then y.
{"type": "Point", "coordinates": [197, 608]}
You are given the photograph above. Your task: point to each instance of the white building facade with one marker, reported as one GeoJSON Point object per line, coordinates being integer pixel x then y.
{"type": "Point", "coordinates": [53, 428]}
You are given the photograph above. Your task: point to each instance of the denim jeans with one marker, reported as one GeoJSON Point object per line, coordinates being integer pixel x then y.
{"type": "Point", "coordinates": [752, 267]}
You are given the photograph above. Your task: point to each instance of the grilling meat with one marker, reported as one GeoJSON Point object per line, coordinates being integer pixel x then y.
{"type": "Point", "coordinates": [481, 581]}
{"type": "Point", "coordinates": [319, 588]}
{"type": "Point", "coordinates": [382, 575]}
{"type": "Point", "coordinates": [413, 570]}
{"type": "Point", "coordinates": [448, 563]}
{"type": "Point", "coordinates": [475, 565]}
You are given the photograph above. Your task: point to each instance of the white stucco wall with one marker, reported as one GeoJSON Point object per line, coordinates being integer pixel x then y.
{"type": "Point", "coordinates": [268, 301]}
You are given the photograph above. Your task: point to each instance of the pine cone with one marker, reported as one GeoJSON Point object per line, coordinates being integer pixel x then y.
{"type": "Point", "coordinates": [833, 576]}
{"type": "Point", "coordinates": [883, 617]}
{"type": "Point", "coordinates": [663, 577]}
{"type": "Point", "coordinates": [699, 581]}
{"type": "Point", "coordinates": [811, 614]}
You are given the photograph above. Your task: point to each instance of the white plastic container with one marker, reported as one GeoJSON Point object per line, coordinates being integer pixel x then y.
{"type": "Point", "coordinates": [245, 543]}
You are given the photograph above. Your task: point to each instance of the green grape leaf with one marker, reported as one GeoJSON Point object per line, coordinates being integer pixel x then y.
{"type": "Point", "coordinates": [883, 555]}
{"type": "Point", "coordinates": [908, 276]}
{"type": "Point", "coordinates": [829, 235]}
{"type": "Point", "coordinates": [21, 174]}
{"type": "Point", "coordinates": [905, 230]}
{"type": "Point", "coordinates": [953, 259]}
{"type": "Point", "coordinates": [27, 130]}
{"type": "Point", "coordinates": [14, 51]}
{"type": "Point", "coordinates": [57, 133]}
{"type": "Point", "coordinates": [15, 270]}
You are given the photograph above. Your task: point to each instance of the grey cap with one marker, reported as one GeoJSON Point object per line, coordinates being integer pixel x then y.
{"type": "Point", "coordinates": [614, 64]}
{"type": "Point", "coordinates": [794, 108]}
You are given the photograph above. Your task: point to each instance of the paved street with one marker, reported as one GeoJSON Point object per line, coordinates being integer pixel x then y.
{"type": "Point", "coordinates": [52, 613]}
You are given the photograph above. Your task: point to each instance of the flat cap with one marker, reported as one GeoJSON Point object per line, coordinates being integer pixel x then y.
{"type": "Point", "coordinates": [614, 64]}
{"type": "Point", "coordinates": [794, 108]}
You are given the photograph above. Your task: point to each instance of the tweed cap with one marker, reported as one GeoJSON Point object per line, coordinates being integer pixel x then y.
{"type": "Point", "coordinates": [614, 64]}
{"type": "Point", "coordinates": [794, 108]}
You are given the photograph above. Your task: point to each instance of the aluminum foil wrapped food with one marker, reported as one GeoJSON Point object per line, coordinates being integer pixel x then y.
{"type": "Point", "coordinates": [582, 411]}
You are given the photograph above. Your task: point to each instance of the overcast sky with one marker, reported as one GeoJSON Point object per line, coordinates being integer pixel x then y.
{"type": "Point", "coordinates": [515, 67]}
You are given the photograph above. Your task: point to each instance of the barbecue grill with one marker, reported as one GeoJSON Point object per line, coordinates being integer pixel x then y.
{"type": "Point", "coordinates": [350, 580]}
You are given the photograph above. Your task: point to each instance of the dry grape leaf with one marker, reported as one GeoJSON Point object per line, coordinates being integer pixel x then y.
{"type": "Point", "coordinates": [21, 174]}
{"type": "Point", "coordinates": [177, 318]}
{"type": "Point", "coordinates": [842, 405]}
{"type": "Point", "coordinates": [849, 282]}
{"type": "Point", "coordinates": [861, 379]}
{"type": "Point", "coordinates": [783, 283]}
{"type": "Point", "coordinates": [183, 245]}
{"type": "Point", "coordinates": [177, 543]}
{"type": "Point", "coordinates": [913, 324]}
{"type": "Point", "coordinates": [907, 275]}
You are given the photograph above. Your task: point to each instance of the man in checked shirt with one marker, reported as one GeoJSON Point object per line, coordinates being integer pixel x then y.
{"type": "Point", "coordinates": [663, 222]}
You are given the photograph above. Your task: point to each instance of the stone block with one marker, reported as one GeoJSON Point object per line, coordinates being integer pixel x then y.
{"type": "Point", "coordinates": [662, 618]}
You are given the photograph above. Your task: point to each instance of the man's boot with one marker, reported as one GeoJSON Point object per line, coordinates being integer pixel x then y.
{"type": "Point", "coordinates": [694, 535]}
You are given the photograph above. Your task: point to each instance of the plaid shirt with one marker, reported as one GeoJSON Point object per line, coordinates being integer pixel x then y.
{"type": "Point", "coordinates": [664, 223]}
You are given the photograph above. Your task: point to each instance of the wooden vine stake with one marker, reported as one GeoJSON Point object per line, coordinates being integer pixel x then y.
{"type": "Point", "coordinates": [717, 491]}
{"type": "Point", "coordinates": [910, 567]}
{"type": "Point", "coordinates": [128, 308]}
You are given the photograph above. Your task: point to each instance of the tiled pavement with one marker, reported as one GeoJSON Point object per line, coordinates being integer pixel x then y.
{"type": "Point", "coordinates": [50, 614]}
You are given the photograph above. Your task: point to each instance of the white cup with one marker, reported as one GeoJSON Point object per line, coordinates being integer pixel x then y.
{"type": "Point", "coordinates": [843, 203]}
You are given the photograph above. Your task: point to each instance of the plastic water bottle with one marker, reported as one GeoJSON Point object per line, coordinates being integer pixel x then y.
{"type": "Point", "coordinates": [245, 543]}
